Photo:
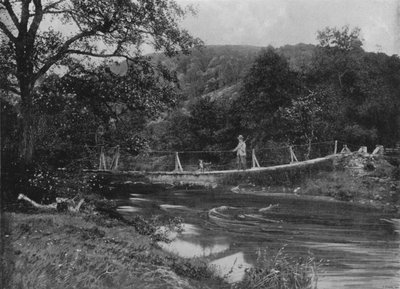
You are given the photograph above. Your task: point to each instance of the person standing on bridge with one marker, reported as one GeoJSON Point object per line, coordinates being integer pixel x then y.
{"type": "Point", "coordinates": [240, 153]}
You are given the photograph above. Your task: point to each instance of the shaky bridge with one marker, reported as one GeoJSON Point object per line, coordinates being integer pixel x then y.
{"type": "Point", "coordinates": [115, 158]}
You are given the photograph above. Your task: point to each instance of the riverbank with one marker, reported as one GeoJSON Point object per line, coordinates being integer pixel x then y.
{"type": "Point", "coordinates": [359, 179]}
{"type": "Point", "coordinates": [60, 250]}
{"type": "Point", "coordinates": [96, 248]}
{"type": "Point", "coordinates": [64, 250]}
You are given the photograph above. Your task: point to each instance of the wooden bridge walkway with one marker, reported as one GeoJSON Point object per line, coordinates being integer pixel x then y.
{"type": "Point", "coordinates": [215, 177]}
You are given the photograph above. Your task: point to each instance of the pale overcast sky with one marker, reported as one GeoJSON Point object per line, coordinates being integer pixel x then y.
{"type": "Point", "coordinates": [280, 22]}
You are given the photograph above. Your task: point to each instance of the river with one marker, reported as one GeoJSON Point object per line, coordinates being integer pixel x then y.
{"type": "Point", "coordinates": [357, 246]}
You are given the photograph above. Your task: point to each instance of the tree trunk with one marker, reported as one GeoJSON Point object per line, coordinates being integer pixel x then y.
{"type": "Point", "coordinates": [28, 135]}
{"type": "Point", "coordinates": [28, 138]}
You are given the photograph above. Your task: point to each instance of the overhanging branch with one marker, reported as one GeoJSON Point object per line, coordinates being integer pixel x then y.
{"type": "Point", "coordinates": [79, 52]}
{"type": "Point", "coordinates": [52, 5]}
{"type": "Point", "coordinates": [61, 53]}
{"type": "Point", "coordinates": [7, 32]}
{"type": "Point", "coordinates": [52, 12]}
{"type": "Point", "coordinates": [11, 88]}
{"type": "Point", "coordinates": [11, 12]}
{"type": "Point", "coordinates": [36, 19]}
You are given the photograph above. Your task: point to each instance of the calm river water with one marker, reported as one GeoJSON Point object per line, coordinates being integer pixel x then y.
{"type": "Point", "coordinates": [359, 248]}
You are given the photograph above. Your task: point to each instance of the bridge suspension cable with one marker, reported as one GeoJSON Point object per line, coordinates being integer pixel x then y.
{"type": "Point", "coordinates": [158, 160]}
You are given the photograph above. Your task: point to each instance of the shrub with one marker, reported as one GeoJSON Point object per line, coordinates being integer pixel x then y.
{"type": "Point", "coordinates": [343, 195]}
{"type": "Point", "coordinates": [156, 228]}
{"type": "Point", "coordinates": [194, 269]}
{"type": "Point", "coordinates": [280, 272]}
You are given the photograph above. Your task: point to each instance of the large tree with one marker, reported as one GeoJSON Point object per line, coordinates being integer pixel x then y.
{"type": "Point", "coordinates": [363, 105]}
{"type": "Point", "coordinates": [338, 54]}
{"type": "Point", "coordinates": [40, 34]}
{"type": "Point", "coordinates": [268, 86]}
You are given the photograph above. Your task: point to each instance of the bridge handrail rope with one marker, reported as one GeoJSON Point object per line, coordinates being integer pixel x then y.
{"type": "Point", "coordinates": [230, 151]}
{"type": "Point", "coordinates": [212, 151]}
{"type": "Point", "coordinates": [180, 160]}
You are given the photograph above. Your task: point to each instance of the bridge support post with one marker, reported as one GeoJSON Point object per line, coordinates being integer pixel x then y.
{"type": "Point", "coordinates": [102, 161]}
{"type": "Point", "coordinates": [178, 166]}
{"type": "Point", "coordinates": [335, 150]}
{"type": "Point", "coordinates": [293, 157]}
{"type": "Point", "coordinates": [379, 150]}
{"type": "Point", "coordinates": [345, 150]}
{"type": "Point", "coordinates": [115, 159]}
{"type": "Point", "coordinates": [254, 159]}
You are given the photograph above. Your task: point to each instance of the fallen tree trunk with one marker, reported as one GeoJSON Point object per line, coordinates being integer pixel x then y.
{"type": "Point", "coordinates": [60, 202]}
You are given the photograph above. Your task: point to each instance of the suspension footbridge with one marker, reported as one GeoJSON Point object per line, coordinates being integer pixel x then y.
{"type": "Point", "coordinates": [183, 167]}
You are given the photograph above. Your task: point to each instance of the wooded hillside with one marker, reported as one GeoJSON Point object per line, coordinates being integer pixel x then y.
{"type": "Point", "coordinates": [292, 94]}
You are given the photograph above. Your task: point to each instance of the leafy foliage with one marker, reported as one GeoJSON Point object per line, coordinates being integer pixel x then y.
{"type": "Point", "coordinates": [116, 29]}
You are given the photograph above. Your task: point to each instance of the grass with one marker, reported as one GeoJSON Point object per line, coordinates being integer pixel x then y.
{"type": "Point", "coordinates": [63, 250]}
{"type": "Point", "coordinates": [68, 251]}
{"type": "Point", "coordinates": [281, 272]}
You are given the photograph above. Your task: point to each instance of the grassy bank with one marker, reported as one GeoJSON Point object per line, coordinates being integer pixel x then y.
{"type": "Point", "coordinates": [63, 250]}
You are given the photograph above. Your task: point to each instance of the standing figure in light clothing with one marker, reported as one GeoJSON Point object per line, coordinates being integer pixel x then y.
{"type": "Point", "coordinates": [241, 153]}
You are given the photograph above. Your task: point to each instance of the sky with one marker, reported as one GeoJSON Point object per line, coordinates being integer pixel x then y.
{"type": "Point", "coordinates": [280, 22]}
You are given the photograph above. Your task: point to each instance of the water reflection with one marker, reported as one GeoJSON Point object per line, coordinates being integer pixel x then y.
{"type": "Point", "coordinates": [189, 249]}
{"type": "Point", "coordinates": [232, 268]}
{"type": "Point", "coordinates": [138, 200]}
{"type": "Point", "coordinates": [128, 209]}
{"type": "Point", "coordinates": [190, 229]}
{"type": "Point", "coordinates": [176, 207]}
{"type": "Point", "coordinates": [136, 195]}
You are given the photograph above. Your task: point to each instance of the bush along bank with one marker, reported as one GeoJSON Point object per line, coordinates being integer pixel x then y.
{"type": "Point", "coordinates": [358, 178]}
{"type": "Point", "coordinates": [279, 270]}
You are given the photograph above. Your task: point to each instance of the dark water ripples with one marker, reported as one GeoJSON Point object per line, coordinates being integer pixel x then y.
{"type": "Point", "coordinates": [360, 245]}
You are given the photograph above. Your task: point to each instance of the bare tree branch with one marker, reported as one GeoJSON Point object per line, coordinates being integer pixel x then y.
{"type": "Point", "coordinates": [49, 9]}
{"type": "Point", "coordinates": [51, 12]}
{"type": "Point", "coordinates": [53, 206]}
{"type": "Point", "coordinates": [76, 21]}
{"type": "Point", "coordinates": [37, 205]}
{"type": "Point", "coordinates": [36, 20]}
{"type": "Point", "coordinates": [11, 12]}
{"type": "Point", "coordinates": [52, 5]}
{"type": "Point", "coordinates": [7, 32]}
{"type": "Point", "coordinates": [12, 89]}
{"type": "Point", "coordinates": [73, 51]}
{"type": "Point", "coordinates": [61, 53]}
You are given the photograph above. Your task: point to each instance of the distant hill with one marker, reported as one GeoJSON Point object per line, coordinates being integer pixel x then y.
{"type": "Point", "coordinates": [217, 70]}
